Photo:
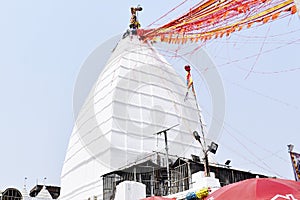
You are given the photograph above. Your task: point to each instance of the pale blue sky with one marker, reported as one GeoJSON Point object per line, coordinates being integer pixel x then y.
{"type": "Point", "coordinates": [43, 46]}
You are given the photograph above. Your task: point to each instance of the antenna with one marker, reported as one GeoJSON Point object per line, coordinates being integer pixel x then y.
{"type": "Point", "coordinates": [36, 192]}
{"type": "Point", "coordinates": [167, 153]}
{"type": "Point", "coordinates": [45, 178]}
{"type": "Point", "coordinates": [25, 182]}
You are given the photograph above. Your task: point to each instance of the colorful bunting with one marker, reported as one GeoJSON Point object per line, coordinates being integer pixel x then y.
{"type": "Point", "coordinates": [214, 19]}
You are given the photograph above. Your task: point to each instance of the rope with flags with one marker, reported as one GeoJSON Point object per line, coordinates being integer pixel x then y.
{"type": "Point", "coordinates": [212, 19]}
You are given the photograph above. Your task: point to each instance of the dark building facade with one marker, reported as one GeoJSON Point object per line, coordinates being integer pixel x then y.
{"type": "Point", "coordinates": [155, 177]}
{"type": "Point", "coordinates": [11, 194]}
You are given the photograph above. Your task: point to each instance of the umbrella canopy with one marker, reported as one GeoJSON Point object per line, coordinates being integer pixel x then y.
{"type": "Point", "coordinates": [158, 198]}
{"type": "Point", "coordinates": [259, 189]}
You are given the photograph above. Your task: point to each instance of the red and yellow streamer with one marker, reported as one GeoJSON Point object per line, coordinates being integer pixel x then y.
{"type": "Point", "coordinates": [218, 18]}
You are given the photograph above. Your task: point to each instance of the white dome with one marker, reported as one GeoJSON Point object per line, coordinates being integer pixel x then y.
{"type": "Point", "coordinates": [43, 194]}
{"type": "Point", "coordinates": [25, 195]}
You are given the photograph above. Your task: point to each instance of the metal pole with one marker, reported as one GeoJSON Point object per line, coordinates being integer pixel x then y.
{"type": "Point", "coordinates": [167, 157]}
{"type": "Point", "coordinates": [167, 154]}
{"type": "Point", "coordinates": [190, 175]}
{"type": "Point", "coordinates": [206, 165]}
{"type": "Point", "coordinates": [152, 182]}
{"type": "Point", "coordinates": [134, 174]}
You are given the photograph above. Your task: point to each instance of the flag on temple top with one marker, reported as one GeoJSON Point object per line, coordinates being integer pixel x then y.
{"type": "Point", "coordinates": [296, 164]}
{"type": "Point", "coordinates": [189, 80]}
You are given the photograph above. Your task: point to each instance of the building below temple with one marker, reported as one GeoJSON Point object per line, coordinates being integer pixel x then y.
{"type": "Point", "coordinates": [185, 174]}
{"type": "Point", "coordinates": [38, 192]}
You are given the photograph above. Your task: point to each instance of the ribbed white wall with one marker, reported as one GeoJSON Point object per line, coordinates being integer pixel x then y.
{"type": "Point", "coordinates": [137, 94]}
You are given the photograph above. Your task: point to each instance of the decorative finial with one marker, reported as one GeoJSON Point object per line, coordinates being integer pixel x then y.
{"type": "Point", "coordinates": [290, 147]}
{"type": "Point", "coordinates": [45, 181]}
{"type": "Point", "coordinates": [25, 182]}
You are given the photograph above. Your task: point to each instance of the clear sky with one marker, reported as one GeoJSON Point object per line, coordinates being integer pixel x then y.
{"type": "Point", "coordinates": [44, 44]}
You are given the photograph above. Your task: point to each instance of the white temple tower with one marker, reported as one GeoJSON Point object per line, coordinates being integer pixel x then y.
{"type": "Point", "coordinates": [137, 94]}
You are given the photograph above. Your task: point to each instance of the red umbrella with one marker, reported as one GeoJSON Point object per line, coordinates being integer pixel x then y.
{"type": "Point", "coordinates": [158, 198]}
{"type": "Point", "coordinates": [259, 189]}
